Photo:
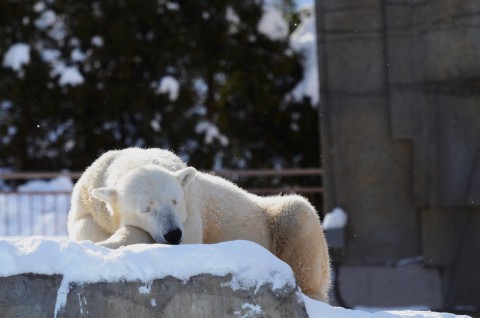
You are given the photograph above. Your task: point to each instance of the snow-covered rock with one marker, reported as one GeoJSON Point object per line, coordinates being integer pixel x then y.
{"type": "Point", "coordinates": [237, 279]}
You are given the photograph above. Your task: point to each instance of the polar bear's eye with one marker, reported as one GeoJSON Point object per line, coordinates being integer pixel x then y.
{"type": "Point", "coordinates": [174, 202]}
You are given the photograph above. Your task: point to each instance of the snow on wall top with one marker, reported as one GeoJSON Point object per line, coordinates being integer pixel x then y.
{"type": "Point", "coordinates": [250, 264]}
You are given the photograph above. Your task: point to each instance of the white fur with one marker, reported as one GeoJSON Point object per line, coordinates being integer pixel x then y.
{"type": "Point", "coordinates": [137, 206]}
{"type": "Point", "coordinates": [100, 206]}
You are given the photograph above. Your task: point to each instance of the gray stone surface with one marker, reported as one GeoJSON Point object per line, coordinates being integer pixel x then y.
{"type": "Point", "coordinates": [205, 295]}
{"type": "Point", "coordinates": [400, 123]}
{"type": "Point", "coordinates": [400, 286]}
{"type": "Point", "coordinates": [28, 295]}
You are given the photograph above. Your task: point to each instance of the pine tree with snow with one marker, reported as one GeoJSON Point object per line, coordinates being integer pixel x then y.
{"type": "Point", "coordinates": [209, 80]}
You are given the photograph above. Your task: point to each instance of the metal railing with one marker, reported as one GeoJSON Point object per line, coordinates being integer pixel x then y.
{"type": "Point", "coordinates": [26, 211]}
{"type": "Point", "coordinates": [285, 188]}
{"type": "Point", "coordinates": [34, 213]}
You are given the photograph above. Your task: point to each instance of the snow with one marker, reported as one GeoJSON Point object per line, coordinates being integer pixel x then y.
{"type": "Point", "coordinates": [39, 6]}
{"type": "Point", "coordinates": [97, 41]}
{"type": "Point", "coordinates": [47, 19]}
{"type": "Point", "coordinates": [156, 122]}
{"type": "Point", "coordinates": [50, 55]}
{"type": "Point", "coordinates": [77, 55]}
{"type": "Point", "coordinates": [319, 309]}
{"type": "Point", "coordinates": [251, 266]}
{"type": "Point", "coordinates": [16, 56]}
{"type": "Point", "coordinates": [272, 24]}
{"type": "Point", "coordinates": [211, 132]}
{"type": "Point", "coordinates": [173, 6]}
{"type": "Point", "coordinates": [169, 85]}
{"type": "Point", "coordinates": [303, 40]}
{"type": "Point", "coordinates": [234, 20]}
{"type": "Point", "coordinates": [70, 76]}
{"type": "Point", "coordinates": [232, 16]}
{"type": "Point", "coordinates": [58, 184]}
{"type": "Point", "coordinates": [337, 219]}
{"type": "Point", "coordinates": [248, 311]}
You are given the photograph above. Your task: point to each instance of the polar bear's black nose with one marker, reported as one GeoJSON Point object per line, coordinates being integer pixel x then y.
{"type": "Point", "coordinates": [173, 237]}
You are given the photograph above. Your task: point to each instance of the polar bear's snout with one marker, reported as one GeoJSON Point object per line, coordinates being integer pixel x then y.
{"type": "Point", "coordinates": [167, 228]}
{"type": "Point", "coordinates": [174, 237]}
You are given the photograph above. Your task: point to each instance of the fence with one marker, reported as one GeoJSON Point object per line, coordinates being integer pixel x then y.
{"type": "Point", "coordinates": [38, 202]}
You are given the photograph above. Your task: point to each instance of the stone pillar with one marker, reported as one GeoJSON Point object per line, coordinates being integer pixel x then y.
{"type": "Point", "coordinates": [400, 109]}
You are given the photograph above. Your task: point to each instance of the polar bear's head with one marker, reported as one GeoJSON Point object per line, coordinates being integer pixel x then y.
{"type": "Point", "coordinates": [150, 198]}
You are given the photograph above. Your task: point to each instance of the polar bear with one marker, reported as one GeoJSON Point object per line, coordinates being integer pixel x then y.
{"type": "Point", "coordinates": [144, 196]}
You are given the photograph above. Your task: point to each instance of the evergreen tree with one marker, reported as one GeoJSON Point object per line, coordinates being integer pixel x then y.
{"type": "Point", "coordinates": [104, 75]}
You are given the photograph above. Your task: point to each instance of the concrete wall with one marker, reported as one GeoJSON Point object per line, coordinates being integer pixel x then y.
{"type": "Point", "coordinates": [400, 120]}
{"type": "Point", "coordinates": [31, 295]}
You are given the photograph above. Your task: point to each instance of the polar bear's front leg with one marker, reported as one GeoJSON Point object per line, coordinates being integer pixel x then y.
{"type": "Point", "coordinates": [85, 228]}
{"type": "Point", "coordinates": [127, 235]}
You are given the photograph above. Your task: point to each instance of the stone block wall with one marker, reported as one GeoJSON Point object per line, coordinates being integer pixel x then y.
{"type": "Point", "coordinates": [32, 295]}
{"type": "Point", "coordinates": [400, 121]}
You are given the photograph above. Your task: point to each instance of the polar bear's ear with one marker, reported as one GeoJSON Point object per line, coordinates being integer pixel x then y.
{"type": "Point", "coordinates": [104, 194]}
{"type": "Point", "coordinates": [186, 175]}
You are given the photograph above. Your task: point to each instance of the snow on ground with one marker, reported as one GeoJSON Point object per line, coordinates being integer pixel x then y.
{"type": "Point", "coordinates": [319, 309]}
{"type": "Point", "coordinates": [250, 264]}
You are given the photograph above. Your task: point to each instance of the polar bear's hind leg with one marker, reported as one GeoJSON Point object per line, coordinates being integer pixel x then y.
{"type": "Point", "coordinates": [298, 240]}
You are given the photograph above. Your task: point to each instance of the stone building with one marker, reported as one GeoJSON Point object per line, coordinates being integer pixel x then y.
{"type": "Point", "coordinates": [400, 121]}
